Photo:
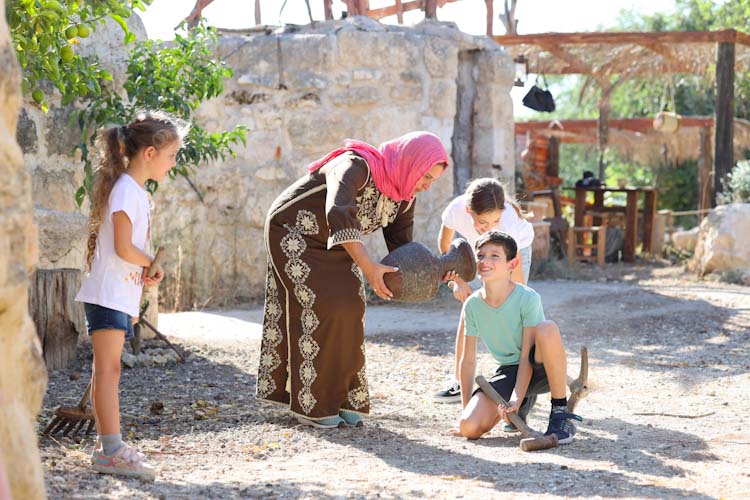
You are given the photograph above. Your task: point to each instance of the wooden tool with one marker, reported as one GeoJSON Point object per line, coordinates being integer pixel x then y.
{"type": "Point", "coordinates": [534, 440]}
{"type": "Point", "coordinates": [69, 419]}
{"type": "Point", "coordinates": [579, 388]}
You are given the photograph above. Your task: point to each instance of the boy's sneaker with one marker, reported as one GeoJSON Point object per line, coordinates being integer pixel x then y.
{"type": "Point", "coordinates": [560, 424]}
{"type": "Point", "coordinates": [124, 462]}
{"type": "Point", "coordinates": [450, 394]}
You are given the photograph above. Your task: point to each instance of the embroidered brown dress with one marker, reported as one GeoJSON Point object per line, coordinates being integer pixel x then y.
{"type": "Point", "coordinates": [312, 354]}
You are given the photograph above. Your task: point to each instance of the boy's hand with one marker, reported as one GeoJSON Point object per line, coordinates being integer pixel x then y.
{"type": "Point", "coordinates": [514, 405]}
{"type": "Point", "coordinates": [461, 289]}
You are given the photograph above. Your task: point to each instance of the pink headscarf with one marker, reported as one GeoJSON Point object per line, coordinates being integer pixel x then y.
{"type": "Point", "coordinates": [397, 165]}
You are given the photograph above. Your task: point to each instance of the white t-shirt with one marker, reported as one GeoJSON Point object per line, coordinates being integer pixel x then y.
{"type": "Point", "coordinates": [113, 282]}
{"type": "Point", "coordinates": [456, 217]}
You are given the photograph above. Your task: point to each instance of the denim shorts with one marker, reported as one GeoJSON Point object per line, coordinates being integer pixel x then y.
{"type": "Point", "coordinates": [102, 318]}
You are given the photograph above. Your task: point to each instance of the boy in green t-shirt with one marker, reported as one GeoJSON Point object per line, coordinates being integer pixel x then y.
{"type": "Point", "coordinates": [509, 319]}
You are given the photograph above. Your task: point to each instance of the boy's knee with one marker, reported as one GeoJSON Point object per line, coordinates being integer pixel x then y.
{"type": "Point", "coordinates": [470, 428]}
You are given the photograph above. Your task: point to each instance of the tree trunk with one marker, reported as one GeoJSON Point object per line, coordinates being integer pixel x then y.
{"type": "Point", "coordinates": [58, 318]}
{"type": "Point", "coordinates": [724, 151]}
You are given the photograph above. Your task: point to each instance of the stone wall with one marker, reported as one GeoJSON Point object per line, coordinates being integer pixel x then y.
{"type": "Point", "coordinates": [23, 378]}
{"type": "Point", "coordinates": [301, 94]}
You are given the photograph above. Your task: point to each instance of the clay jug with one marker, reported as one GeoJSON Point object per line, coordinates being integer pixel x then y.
{"type": "Point", "coordinates": [421, 272]}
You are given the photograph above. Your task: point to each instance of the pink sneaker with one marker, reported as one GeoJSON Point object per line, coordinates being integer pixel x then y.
{"type": "Point", "coordinates": [124, 462]}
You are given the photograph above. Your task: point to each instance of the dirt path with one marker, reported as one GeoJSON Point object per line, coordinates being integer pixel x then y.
{"type": "Point", "coordinates": [664, 352]}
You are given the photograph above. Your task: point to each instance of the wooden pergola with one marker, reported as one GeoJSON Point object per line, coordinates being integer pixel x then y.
{"type": "Point", "coordinates": [611, 58]}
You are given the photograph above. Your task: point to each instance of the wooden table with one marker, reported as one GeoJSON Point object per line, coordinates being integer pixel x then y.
{"type": "Point", "coordinates": [631, 214]}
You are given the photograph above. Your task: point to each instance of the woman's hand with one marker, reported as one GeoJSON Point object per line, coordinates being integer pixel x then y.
{"type": "Point", "coordinates": [374, 274]}
{"type": "Point", "coordinates": [155, 279]}
{"type": "Point", "coordinates": [514, 405]}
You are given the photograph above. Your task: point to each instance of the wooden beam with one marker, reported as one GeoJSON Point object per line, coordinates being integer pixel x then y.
{"type": "Point", "coordinates": [393, 10]}
{"type": "Point", "coordinates": [724, 152]}
{"type": "Point", "coordinates": [620, 37]}
{"type": "Point", "coordinates": [643, 125]}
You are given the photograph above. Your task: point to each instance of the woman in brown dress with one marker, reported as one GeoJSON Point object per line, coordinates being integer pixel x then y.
{"type": "Point", "coordinates": [312, 356]}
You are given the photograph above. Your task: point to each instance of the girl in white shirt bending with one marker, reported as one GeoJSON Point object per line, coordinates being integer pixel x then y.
{"type": "Point", "coordinates": [483, 207]}
{"type": "Point", "coordinates": [118, 264]}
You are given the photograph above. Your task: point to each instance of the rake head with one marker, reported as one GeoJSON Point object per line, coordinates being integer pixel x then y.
{"type": "Point", "coordinates": [72, 419]}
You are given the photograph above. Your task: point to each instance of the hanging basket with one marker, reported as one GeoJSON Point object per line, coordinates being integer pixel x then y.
{"type": "Point", "coordinates": [667, 122]}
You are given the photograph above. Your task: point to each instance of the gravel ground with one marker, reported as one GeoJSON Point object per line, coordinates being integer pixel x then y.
{"type": "Point", "coordinates": [670, 369]}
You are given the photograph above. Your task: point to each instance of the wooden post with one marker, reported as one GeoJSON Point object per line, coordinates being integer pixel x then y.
{"type": "Point", "coordinates": [326, 8]}
{"type": "Point", "coordinates": [724, 154]}
{"type": "Point", "coordinates": [601, 244]}
{"type": "Point", "coordinates": [258, 21]}
{"type": "Point", "coordinates": [490, 16]}
{"type": "Point", "coordinates": [649, 213]}
{"type": "Point", "coordinates": [399, 12]}
{"type": "Point", "coordinates": [430, 9]}
{"type": "Point", "coordinates": [58, 318]}
{"type": "Point", "coordinates": [631, 227]}
{"type": "Point", "coordinates": [705, 164]}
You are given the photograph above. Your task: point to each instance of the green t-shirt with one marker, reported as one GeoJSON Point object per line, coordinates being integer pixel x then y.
{"type": "Point", "coordinates": [501, 328]}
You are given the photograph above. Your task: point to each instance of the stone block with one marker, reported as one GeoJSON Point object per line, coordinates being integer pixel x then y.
{"type": "Point", "coordinates": [62, 238]}
{"type": "Point", "coordinates": [381, 50]}
{"type": "Point", "coordinates": [61, 137]}
{"type": "Point", "coordinates": [355, 96]}
{"type": "Point", "coordinates": [26, 133]}
{"type": "Point", "coordinates": [441, 57]}
{"type": "Point", "coordinates": [443, 95]}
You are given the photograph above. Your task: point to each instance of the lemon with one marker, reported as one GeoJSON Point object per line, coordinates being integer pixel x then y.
{"type": "Point", "coordinates": [71, 32]}
{"type": "Point", "coordinates": [66, 53]}
{"type": "Point", "coordinates": [83, 30]}
{"type": "Point", "coordinates": [38, 96]}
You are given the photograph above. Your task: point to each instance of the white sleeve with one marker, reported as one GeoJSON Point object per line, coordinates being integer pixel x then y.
{"type": "Point", "coordinates": [124, 199]}
{"type": "Point", "coordinates": [451, 213]}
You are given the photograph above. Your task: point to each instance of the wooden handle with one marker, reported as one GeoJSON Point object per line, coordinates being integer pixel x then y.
{"type": "Point", "coordinates": [491, 393]}
{"type": "Point", "coordinates": [535, 440]}
{"type": "Point", "coordinates": [156, 263]}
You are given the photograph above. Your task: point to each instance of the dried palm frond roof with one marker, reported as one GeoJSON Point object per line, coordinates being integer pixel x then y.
{"type": "Point", "coordinates": [604, 54]}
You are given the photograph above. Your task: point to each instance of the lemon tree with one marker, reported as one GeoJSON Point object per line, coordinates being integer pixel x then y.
{"type": "Point", "coordinates": [46, 34]}
{"type": "Point", "coordinates": [175, 78]}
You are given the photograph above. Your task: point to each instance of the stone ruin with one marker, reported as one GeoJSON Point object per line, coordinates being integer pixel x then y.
{"type": "Point", "coordinates": [300, 91]}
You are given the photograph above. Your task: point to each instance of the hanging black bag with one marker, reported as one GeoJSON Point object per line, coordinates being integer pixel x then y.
{"type": "Point", "coordinates": [539, 99]}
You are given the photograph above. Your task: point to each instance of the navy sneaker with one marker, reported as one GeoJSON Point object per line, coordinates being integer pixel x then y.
{"type": "Point", "coordinates": [451, 393]}
{"type": "Point", "coordinates": [560, 424]}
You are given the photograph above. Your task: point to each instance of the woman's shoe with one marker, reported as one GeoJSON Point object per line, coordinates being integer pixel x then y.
{"type": "Point", "coordinates": [352, 419]}
{"type": "Point", "coordinates": [324, 423]}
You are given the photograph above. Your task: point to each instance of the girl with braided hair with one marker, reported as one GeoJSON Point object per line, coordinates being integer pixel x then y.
{"type": "Point", "coordinates": [117, 262]}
